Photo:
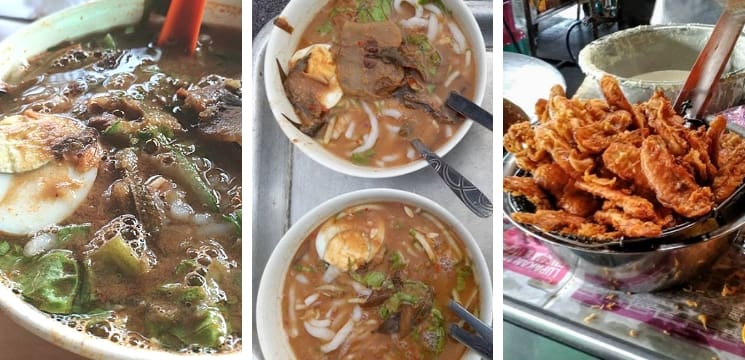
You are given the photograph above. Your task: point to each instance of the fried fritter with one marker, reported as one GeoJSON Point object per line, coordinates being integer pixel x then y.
{"type": "Point", "coordinates": [633, 205]}
{"type": "Point", "coordinates": [526, 186]}
{"type": "Point", "coordinates": [624, 160]}
{"type": "Point", "coordinates": [628, 225]}
{"type": "Point", "coordinates": [674, 186]}
{"type": "Point", "coordinates": [551, 220]}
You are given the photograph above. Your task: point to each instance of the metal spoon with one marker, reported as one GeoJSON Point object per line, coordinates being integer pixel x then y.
{"type": "Point", "coordinates": [468, 193]}
{"type": "Point", "coordinates": [470, 110]}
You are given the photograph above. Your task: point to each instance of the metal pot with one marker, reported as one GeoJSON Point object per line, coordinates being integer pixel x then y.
{"type": "Point", "coordinates": [645, 49]}
{"type": "Point", "coordinates": [635, 270]}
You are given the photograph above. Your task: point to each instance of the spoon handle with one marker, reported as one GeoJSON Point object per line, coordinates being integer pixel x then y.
{"type": "Point", "coordinates": [474, 199]}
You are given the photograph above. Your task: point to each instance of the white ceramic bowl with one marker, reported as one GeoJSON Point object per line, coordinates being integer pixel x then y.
{"type": "Point", "coordinates": [281, 46]}
{"type": "Point", "coordinates": [33, 39]}
{"type": "Point", "coordinates": [272, 336]}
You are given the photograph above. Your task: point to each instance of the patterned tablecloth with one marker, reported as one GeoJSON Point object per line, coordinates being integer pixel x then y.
{"type": "Point", "coordinates": [700, 320]}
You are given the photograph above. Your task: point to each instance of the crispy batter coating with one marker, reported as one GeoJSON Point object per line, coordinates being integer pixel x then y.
{"type": "Point", "coordinates": [526, 186]}
{"type": "Point", "coordinates": [611, 168]}
{"type": "Point", "coordinates": [627, 224]}
{"type": "Point", "coordinates": [674, 186]}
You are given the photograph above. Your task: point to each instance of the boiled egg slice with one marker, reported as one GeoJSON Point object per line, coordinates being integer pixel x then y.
{"type": "Point", "coordinates": [47, 168]}
{"type": "Point", "coordinates": [347, 242]}
{"type": "Point", "coordinates": [322, 68]}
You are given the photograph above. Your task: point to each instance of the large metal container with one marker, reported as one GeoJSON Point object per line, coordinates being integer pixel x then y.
{"type": "Point", "coordinates": [636, 270]}
{"type": "Point", "coordinates": [646, 49]}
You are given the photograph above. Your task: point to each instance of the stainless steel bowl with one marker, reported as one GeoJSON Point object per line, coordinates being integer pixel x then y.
{"type": "Point", "coordinates": [637, 270]}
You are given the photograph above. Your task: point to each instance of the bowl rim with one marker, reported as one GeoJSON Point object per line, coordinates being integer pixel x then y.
{"type": "Point", "coordinates": [271, 333]}
{"type": "Point", "coordinates": [276, 96]}
{"type": "Point", "coordinates": [25, 314]}
{"type": "Point", "coordinates": [587, 54]}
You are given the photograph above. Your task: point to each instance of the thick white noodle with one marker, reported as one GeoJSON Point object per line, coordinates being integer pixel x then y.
{"type": "Point", "coordinates": [432, 28]}
{"type": "Point", "coordinates": [291, 311]}
{"type": "Point", "coordinates": [330, 275]}
{"type": "Point", "coordinates": [460, 40]}
{"type": "Point", "coordinates": [410, 153]}
{"type": "Point", "coordinates": [414, 22]}
{"type": "Point", "coordinates": [350, 130]}
{"type": "Point", "coordinates": [361, 289]}
{"type": "Point", "coordinates": [320, 322]}
{"type": "Point", "coordinates": [41, 242]}
{"type": "Point", "coordinates": [311, 299]}
{"type": "Point", "coordinates": [389, 158]}
{"type": "Point", "coordinates": [468, 57]}
{"type": "Point", "coordinates": [393, 128]}
{"type": "Point", "coordinates": [372, 137]}
{"type": "Point", "coordinates": [322, 333]}
{"type": "Point", "coordinates": [433, 8]}
{"type": "Point", "coordinates": [451, 78]}
{"type": "Point", "coordinates": [302, 279]}
{"type": "Point", "coordinates": [357, 313]}
{"type": "Point", "coordinates": [448, 131]}
{"type": "Point", "coordinates": [394, 113]}
{"type": "Point", "coordinates": [339, 338]}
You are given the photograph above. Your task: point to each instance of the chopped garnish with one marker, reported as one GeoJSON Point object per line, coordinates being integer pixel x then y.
{"type": "Point", "coordinates": [363, 158]}
{"type": "Point", "coordinates": [589, 318]}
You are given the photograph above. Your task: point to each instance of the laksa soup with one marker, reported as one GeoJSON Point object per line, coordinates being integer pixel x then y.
{"type": "Point", "coordinates": [373, 282]}
{"type": "Point", "coordinates": [369, 75]}
{"type": "Point", "coordinates": [120, 188]}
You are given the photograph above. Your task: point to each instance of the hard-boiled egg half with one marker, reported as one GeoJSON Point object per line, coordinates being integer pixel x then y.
{"type": "Point", "coordinates": [48, 164]}
{"type": "Point", "coordinates": [322, 68]}
{"type": "Point", "coordinates": [347, 243]}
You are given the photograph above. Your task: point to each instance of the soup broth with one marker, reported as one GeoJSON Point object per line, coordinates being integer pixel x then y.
{"type": "Point", "coordinates": [138, 238]}
{"type": "Point", "coordinates": [373, 282]}
{"type": "Point", "coordinates": [373, 74]}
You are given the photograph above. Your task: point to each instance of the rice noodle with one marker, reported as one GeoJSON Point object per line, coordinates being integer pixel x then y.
{"type": "Point", "coordinates": [451, 78]}
{"type": "Point", "coordinates": [433, 8]}
{"type": "Point", "coordinates": [413, 22]}
{"type": "Point", "coordinates": [350, 130]}
{"type": "Point", "coordinates": [432, 28]}
{"type": "Point", "coordinates": [460, 40]}
{"type": "Point", "coordinates": [410, 153]}
{"type": "Point", "coordinates": [389, 158]}
{"type": "Point", "coordinates": [451, 240]}
{"type": "Point", "coordinates": [425, 245]}
{"type": "Point", "coordinates": [356, 301]}
{"type": "Point", "coordinates": [322, 333]}
{"type": "Point", "coordinates": [320, 322]}
{"type": "Point", "coordinates": [330, 274]}
{"type": "Point", "coordinates": [393, 128]}
{"type": "Point", "coordinates": [468, 302]}
{"type": "Point", "coordinates": [448, 130]}
{"type": "Point", "coordinates": [311, 299]}
{"type": "Point", "coordinates": [372, 137]}
{"type": "Point", "coordinates": [361, 289]}
{"type": "Point", "coordinates": [468, 57]}
{"type": "Point", "coordinates": [394, 113]}
{"type": "Point", "coordinates": [291, 311]}
{"type": "Point", "coordinates": [329, 130]}
{"type": "Point", "coordinates": [302, 279]}
{"type": "Point", "coordinates": [357, 313]}
{"type": "Point", "coordinates": [339, 338]}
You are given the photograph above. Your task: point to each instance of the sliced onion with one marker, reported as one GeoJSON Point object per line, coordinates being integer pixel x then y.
{"type": "Point", "coordinates": [433, 8]}
{"type": "Point", "coordinates": [361, 289]}
{"type": "Point", "coordinates": [460, 40]}
{"type": "Point", "coordinates": [451, 78]}
{"type": "Point", "coordinates": [448, 131]}
{"type": "Point", "coordinates": [339, 338]}
{"type": "Point", "coordinates": [432, 28]}
{"type": "Point", "coordinates": [311, 299]}
{"type": "Point", "coordinates": [322, 333]}
{"type": "Point", "coordinates": [329, 130]}
{"type": "Point", "coordinates": [468, 57]}
{"type": "Point", "coordinates": [320, 322]}
{"type": "Point", "coordinates": [425, 245]}
{"type": "Point", "coordinates": [372, 137]}
{"type": "Point", "coordinates": [41, 242]}
{"type": "Point", "coordinates": [302, 279]}
{"type": "Point", "coordinates": [393, 128]}
{"type": "Point", "coordinates": [330, 275]}
{"type": "Point", "coordinates": [357, 313]}
{"type": "Point", "coordinates": [394, 113]}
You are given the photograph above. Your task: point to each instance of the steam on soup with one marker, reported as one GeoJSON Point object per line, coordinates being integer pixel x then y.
{"type": "Point", "coordinates": [369, 75]}
{"type": "Point", "coordinates": [120, 188]}
{"type": "Point", "coordinates": [373, 282]}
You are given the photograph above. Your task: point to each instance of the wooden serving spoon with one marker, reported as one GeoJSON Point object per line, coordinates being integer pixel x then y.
{"type": "Point", "coordinates": [182, 24]}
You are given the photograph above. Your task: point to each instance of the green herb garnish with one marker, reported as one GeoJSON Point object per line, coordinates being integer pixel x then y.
{"type": "Point", "coordinates": [363, 158]}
